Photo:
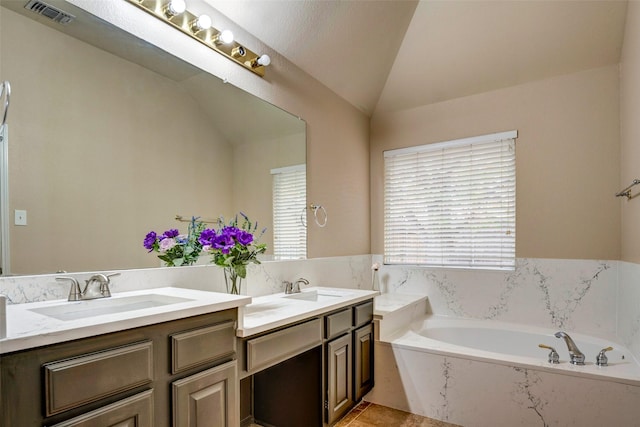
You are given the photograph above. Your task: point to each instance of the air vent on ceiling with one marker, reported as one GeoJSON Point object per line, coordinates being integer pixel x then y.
{"type": "Point", "coordinates": [50, 12]}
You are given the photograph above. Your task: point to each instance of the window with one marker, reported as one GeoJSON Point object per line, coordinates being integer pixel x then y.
{"type": "Point", "coordinates": [289, 201]}
{"type": "Point", "coordinates": [452, 204]}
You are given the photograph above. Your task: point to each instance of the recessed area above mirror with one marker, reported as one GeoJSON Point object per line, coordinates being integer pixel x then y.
{"type": "Point", "coordinates": [111, 137]}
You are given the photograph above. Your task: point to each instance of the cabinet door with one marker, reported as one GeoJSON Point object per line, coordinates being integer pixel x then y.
{"type": "Point", "coordinates": [207, 399]}
{"type": "Point", "coordinates": [135, 411]}
{"type": "Point", "coordinates": [363, 359]}
{"type": "Point", "coordinates": [339, 374]}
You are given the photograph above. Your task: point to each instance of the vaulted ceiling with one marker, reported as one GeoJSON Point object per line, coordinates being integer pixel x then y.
{"type": "Point", "coordinates": [386, 55]}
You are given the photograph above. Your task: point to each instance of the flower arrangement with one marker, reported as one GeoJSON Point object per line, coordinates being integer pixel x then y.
{"type": "Point", "coordinates": [176, 249]}
{"type": "Point", "coordinates": [233, 247]}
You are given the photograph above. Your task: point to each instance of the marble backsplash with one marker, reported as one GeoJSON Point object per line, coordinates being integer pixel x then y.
{"type": "Point", "coordinates": [263, 279]}
{"type": "Point", "coordinates": [600, 298]}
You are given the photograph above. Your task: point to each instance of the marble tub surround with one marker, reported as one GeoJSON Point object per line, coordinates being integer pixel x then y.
{"type": "Point", "coordinates": [455, 390]}
{"type": "Point", "coordinates": [393, 312]}
{"type": "Point", "coordinates": [629, 306]}
{"type": "Point", "coordinates": [29, 328]}
{"type": "Point", "coordinates": [576, 295]}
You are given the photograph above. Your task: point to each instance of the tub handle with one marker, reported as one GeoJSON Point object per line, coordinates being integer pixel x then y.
{"type": "Point", "coordinates": [602, 360]}
{"type": "Point", "coordinates": [554, 357]}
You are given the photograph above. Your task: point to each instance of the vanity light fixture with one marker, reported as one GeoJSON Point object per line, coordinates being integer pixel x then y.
{"type": "Point", "coordinates": [199, 27]}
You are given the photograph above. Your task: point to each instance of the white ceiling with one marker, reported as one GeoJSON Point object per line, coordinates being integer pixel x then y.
{"type": "Point", "coordinates": [389, 55]}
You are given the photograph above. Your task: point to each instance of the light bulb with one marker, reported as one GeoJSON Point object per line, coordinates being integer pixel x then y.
{"type": "Point", "coordinates": [201, 23]}
{"type": "Point", "coordinates": [175, 7]}
{"type": "Point", "coordinates": [263, 60]}
{"type": "Point", "coordinates": [225, 36]}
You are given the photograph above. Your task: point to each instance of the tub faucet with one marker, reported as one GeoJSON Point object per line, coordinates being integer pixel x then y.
{"type": "Point", "coordinates": [576, 357]}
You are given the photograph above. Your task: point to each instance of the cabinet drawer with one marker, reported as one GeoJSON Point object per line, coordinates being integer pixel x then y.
{"type": "Point", "coordinates": [273, 348]}
{"type": "Point", "coordinates": [362, 314]}
{"type": "Point", "coordinates": [337, 323]}
{"type": "Point", "coordinates": [134, 411]}
{"type": "Point", "coordinates": [202, 345]}
{"type": "Point", "coordinates": [75, 382]}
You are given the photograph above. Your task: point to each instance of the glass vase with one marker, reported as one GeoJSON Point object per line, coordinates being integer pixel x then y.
{"type": "Point", "coordinates": [233, 281]}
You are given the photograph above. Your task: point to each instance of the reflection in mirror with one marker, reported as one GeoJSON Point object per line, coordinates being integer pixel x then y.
{"type": "Point", "coordinates": [111, 138]}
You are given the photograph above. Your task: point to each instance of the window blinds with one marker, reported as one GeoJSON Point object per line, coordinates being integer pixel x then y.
{"type": "Point", "coordinates": [289, 201]}
{"type": "Point", "coordinates": [452, 204]}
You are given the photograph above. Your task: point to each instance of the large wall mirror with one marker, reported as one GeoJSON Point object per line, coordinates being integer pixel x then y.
{"type": "Point", "coordinates": [110, 137]}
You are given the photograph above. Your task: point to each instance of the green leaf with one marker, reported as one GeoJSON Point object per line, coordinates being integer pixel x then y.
{"type": "Point", "coordinates": [241, 269]}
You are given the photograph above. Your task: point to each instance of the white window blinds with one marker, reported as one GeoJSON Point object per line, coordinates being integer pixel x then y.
{"type": "Point", "coordinates": [452, 204]}
{"type": "Point", "coordinates": [289, 201]}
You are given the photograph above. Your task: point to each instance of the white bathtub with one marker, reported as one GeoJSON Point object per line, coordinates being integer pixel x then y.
{"type": "Point", "coordinates": [517, 345]}
{"type": "Point", "coordinates": [489, 373]}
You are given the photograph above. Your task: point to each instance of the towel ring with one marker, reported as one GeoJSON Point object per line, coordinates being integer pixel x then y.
{"type": "Point", "coordinates": [315, 209]}
{"type": "Point", "coordinates": [5, 91]}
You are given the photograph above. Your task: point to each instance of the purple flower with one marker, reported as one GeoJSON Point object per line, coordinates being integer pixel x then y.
{"type": "Point", "coordinates": [244, 238]}
{"type": "Point", "coordinates": [207, 237]}
{"type": "Point", "coordinates": [232, 232]}
{"type": "Point", "coordinates": [169, 234]}
{"type": "Point", "coordinates": [150, 240]}
{"type": "Point", "coordinates": [224, 242]}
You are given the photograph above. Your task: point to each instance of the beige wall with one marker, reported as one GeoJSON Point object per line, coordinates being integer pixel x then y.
{"type": "Point", "coordinates": [630, 133]}
{"type": "Point", "coordinates": [567, 161]}
{"type": "Point", "coordinates": [61, 154]}
{"type": "Point", "coordinates": [337, 133]}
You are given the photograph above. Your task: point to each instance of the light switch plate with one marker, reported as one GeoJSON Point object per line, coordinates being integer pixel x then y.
{"type": "Point", "coordinates": [21, 217]}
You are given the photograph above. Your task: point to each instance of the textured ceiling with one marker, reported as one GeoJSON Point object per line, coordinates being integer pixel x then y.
{"type": "Point", "coordinates": [391, 55]}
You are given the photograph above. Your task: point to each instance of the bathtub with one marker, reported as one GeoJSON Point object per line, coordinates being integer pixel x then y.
{"type": "Point", "coordinates": [517, 345]}
{"type": "Point", "coordinates": [489, 373]}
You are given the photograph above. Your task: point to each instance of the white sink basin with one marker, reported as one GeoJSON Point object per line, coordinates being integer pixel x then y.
{"type": "Point", "coordinates": [318, 295]}
{"type": "Point", "coordinates": [85, 309]}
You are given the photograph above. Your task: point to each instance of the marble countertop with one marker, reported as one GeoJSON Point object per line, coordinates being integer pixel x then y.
{"type": "Point", "coordinates": [28, 328]}
{"type": "Point", "coordinates": [276, 310]}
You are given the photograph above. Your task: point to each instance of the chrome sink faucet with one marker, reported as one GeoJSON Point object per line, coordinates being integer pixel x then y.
{"type": "Point", "coordinates": [294, 288]}
{"type": "Point", "coordinates": [576, 357]}
{"type": "Point", "coordinates": [89, 292]}
{"type": "Point", "coordinates": [296, 285]}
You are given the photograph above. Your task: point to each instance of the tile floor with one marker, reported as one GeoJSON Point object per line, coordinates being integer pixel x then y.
{"type": "Point", "coordinates": [370, 415]}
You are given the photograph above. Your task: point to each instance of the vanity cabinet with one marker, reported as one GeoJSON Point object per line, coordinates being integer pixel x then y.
{"type": "Point", "coordinates": [349, 359]}
{"type": "Point", "coordinates": [161, 375]}
{"type": "Point", "coordinates": [310, 373]}
{"type": "Point", "coordinates": [339, 373]}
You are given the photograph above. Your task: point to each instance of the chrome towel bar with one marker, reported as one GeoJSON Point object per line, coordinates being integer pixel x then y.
{"type": "Point", "coordinates": [627, 191]}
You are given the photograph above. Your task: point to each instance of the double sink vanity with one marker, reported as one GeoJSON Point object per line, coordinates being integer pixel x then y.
{"type": "Point", "coordinates": [180, 357]}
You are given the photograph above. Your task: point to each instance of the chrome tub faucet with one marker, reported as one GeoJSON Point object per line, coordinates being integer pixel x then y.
{"type": "Point", "coordinates": [576, 357]}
